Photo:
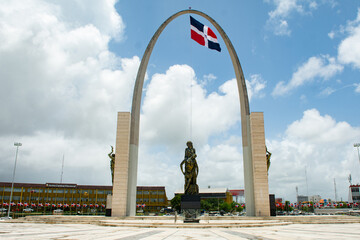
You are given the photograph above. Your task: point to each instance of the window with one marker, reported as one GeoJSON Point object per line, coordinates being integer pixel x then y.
{"type": "Point", "coordinates": [108, 192]}
{"type": "Point", "coordinates": [7, 189]}
{"type": "Point", "coordinates": [354, 189]}
{"type": "Point", "coordinates": [161, 200]}
{"type": "Point", "coordinates": [59, 191]}
{"type": "Point", "coordinates": [17, 190]}
{"type": "Point", "coordinates": [100, 191]}
{"type": "Point", "coordinates": [90, 192]}
{"type": "Point", "coordinates": [16, 198]}
{"type": "Point", "coordinates": [161, 193]}
{"type": "Point", "coordinates": [146, 200]}
{"type": "Point", "coordinates": [153, 192]}
{"type": "Point", "coordinates": [154, 200]}
{"type": "Point", "coordinates": [146, 192]}
{"type": "Point", "coordinates": [139, 192]}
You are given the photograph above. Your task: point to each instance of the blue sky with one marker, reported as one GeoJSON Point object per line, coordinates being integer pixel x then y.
{"type": "Point", "coordinates": [69, 67]}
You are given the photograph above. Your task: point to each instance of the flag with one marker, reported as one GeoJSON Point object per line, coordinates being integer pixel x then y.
{"type": "Point", "coordinates": [203, 35]}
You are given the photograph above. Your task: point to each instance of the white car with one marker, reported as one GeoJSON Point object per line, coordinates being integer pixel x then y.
{"type": "Point", "coordinates": [3, 210]}
{"type": "Point", "coordinates": [28, 210]}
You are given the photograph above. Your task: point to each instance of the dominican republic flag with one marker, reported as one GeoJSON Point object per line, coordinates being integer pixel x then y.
{"type": "Point", "coordinates": [203, 35]}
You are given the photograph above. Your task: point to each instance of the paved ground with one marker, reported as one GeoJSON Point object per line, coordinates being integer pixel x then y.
{"type": "Point", "coordinates": [87, 231]}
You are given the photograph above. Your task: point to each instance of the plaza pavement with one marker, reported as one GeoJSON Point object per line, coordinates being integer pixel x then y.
{"type": "Point", "coordinates": [34, 229]}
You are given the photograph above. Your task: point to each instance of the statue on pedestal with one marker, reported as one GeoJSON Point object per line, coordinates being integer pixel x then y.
{"type": "Point", "coordinates": [191, 170]}
{"type": "Point", "coordinates": [190, 201]}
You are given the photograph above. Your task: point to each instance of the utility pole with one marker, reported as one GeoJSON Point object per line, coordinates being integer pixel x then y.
{"type": "Point", "coordinates": [335, 190]}
{"type": "Point", "coordinates": [62, 168]}
{"type": "Point", "coordinates": [307, 186]}
{"type": "Point", "coordinates": [13, 178]}
{"type": "Point", "coordinates": [357, 145]}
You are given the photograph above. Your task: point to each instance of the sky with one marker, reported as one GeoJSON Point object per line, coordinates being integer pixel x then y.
{"type": "Point", "coordinates": [68, 67]}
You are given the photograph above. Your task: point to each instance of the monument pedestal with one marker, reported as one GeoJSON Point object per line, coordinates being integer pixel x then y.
{"type": "Point", "coordinates": [190, 205]}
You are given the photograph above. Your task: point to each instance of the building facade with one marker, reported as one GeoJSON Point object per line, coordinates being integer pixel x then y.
{"type": "Point", "coordinates": [151, 198]}
{"type": "Point", "coordinates": [355, 193]}
{"type": "Point", "coordinates": [69, 195]}
{"type": "Point", "coordinates": [217, 193]}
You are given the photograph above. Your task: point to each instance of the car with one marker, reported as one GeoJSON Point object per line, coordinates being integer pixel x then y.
{"type": "Point", "coordinates": [3, 210]}
{"type": "Point", "coordinates": [28, 210]}
{"type": "Point", "coordinates": [58, 211]}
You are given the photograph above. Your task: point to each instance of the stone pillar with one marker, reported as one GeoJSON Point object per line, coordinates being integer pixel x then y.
{"type": "Point", "coordinates": [260, 176]}
{"type": "Point", "coordinates": [121, 168]}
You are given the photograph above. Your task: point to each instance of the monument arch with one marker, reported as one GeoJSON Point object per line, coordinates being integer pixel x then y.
{"type": "Point", "coordinates": [127, 140]}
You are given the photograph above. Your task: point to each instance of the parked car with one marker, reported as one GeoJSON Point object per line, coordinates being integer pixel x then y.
{"type": "Point", "coordinates": [3, 210]}
{"type": "Point", "coordinates": [28, 210]}
{"type": "Point", "coordinates": [58, 210]}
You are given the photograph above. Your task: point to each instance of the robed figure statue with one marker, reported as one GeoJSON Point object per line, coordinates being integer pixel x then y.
{"type": "Point", "coordinates": [191, 170]}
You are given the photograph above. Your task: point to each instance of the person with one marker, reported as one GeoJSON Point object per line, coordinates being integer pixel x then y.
{"type": "Point", "coordinates": [190, 171]}
{"type": "Point", "coordinates": [112, 162]}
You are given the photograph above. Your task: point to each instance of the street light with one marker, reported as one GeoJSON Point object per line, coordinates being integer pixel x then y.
{"type": "Point", "coordinates": [357, 145]}
{"type": "Point", "coordinates": [13, 178]}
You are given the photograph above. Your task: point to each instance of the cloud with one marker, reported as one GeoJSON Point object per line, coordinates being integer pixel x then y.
{"type": "Point", "coordinates": [322, 66]}
{"type": "Point", "coordinates": [172, 112]}
{"type": "Point", "coordinates": [61, 88]}
{"type": "Point", "coordinates": [349, 48]}
{"type": "Point", "coordinates": [313, 142]}
{"type": "Point", "coordinates": [357, 87]}
{"type": "Point", "coordinates": [277, 21]}
{"type": "Point", "coordinates": [255, 86]}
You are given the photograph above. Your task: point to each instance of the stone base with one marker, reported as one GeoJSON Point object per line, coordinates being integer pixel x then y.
{"type": "Point", "coordinates": [190, 205]}
{"type": "Point", "coordinates": [191, 220]}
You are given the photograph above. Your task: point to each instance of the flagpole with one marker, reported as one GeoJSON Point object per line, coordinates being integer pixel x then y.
{"type": "Point", "coordinates": [13, 178]}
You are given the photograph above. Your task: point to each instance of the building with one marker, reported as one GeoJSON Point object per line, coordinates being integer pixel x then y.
{"type": "Point", "coordinates": [301, 199]}
{"type": "Point", "coordinates": [58, 194]}
{"type": "Point", "coordinates": [354, 193]}
{"type": "Point", "coordinates": [315, 198]}
{"type": "Point", "coordinates": [238, 195]}
{"type": "Point", "coordinates": [151, 199]}
{"type": "Point", "coordinates": [73, 195]}
{"type": "Point", "coordinates": [217, 193]}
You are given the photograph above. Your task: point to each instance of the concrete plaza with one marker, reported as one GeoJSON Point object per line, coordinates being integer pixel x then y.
{"type": "Point", "coordinates": [159, 229]}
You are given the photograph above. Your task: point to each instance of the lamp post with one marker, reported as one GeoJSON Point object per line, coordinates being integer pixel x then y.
{"type": "Point", "coordinates": [13, 178]}
{"type": "Point", "coordinates": [357, 145]}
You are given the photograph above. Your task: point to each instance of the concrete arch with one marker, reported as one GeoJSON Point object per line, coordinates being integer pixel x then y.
{"type": "Point", "coordinates": [135, 116]}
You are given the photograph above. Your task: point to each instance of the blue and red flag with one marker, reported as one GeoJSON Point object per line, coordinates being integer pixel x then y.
{"type": "Point", "coordinates": [203, 35]}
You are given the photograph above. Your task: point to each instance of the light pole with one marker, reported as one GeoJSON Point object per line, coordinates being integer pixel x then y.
{"type": "Point", "coordinates": [357, 145]}
{"type": "Point", "coordinates": [13, 178]}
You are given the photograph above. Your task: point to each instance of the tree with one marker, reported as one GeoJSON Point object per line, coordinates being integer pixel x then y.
{"type": "Point", "coordinates": [225, 207]}
{"type": "Point", "coordinates": [176, 203]}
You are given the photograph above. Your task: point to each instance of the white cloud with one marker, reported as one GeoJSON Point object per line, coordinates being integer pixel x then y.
{"type": "Point", "coordinates": [61, 87]}
{"type": "Point", "coordinates": [313, 142]}
{"type": "Point", "coordinates": [167, 113]}
{"type": "Point", "coordinates": [357, 87]}
{"type": "Point", "coordinates": [323, 67]}
{"type": "Point", "coordinates": [255, 86]}
{"type": "Point", "coordinates": [277, 21]}
{"type": "Point", "coordinates": [349, 48]}
{"type": "Point", "coordinates": [327, 91]}
{"type": "Point", "coordinates": [331, 34]}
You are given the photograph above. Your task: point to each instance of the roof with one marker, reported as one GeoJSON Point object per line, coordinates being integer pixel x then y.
{"type": "Point", "coordinates": [206, 190]}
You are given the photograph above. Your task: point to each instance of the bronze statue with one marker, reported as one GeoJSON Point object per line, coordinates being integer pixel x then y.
{"type": "Point", "coordinates": [191, 170]}
{"type": "Point", "coordinates": [268, 156]}
{"type": "Point", "coordinates": [112, 162]}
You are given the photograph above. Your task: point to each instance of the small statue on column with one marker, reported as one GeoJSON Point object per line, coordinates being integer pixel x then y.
{"type": "Point", "coordinates": [112, 163]}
